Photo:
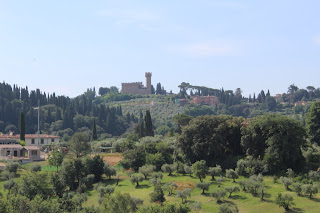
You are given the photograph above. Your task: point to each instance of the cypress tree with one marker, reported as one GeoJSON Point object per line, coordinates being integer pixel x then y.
{"type": "Point", "coordinates": [94, 131]}
{"type": "Point", "coordinates": [128, 118]}
{"type": "Point", "coordinates": [148, 124]}
{"type": "Point", "coordinates": [22, 127]}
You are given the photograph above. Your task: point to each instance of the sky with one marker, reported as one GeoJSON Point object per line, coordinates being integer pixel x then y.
{"type": "Point", "coordinates": [68, 46]}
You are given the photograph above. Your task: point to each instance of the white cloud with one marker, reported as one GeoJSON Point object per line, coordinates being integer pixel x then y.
{"type": "Point", "coordinates": [206, 49]}
{"type": "Point", "coordinates": [317, 40]}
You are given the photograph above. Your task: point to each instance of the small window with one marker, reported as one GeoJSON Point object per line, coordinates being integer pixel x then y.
{"type": "Point", "coordinates": [32, 141]}
{"type": "Point", "coordinates": [33, 152]}
{"type": "Point", "coordinates": [42, 141]}
{"type": "Point", "coordinates": [52, 139]}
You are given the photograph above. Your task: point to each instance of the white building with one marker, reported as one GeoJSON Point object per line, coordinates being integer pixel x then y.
{"type": "Point", "coordinates": [32, 139]}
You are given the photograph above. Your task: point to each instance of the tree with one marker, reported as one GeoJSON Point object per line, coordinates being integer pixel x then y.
{"type": "Point", "coordinates": [33, 184]}
{"type": "Point", "coordinates": [188, 170]}
{"type": "Point", "coordinates": [94, 131]}
{"type": "Point", "coordinates": [286, 182]}
{"type": "Point", "coordinates": [277, 140]}
{"type": "Point", "coordinates": [22, 127]}
{"type": "Point", "coordinates": [120, 203]}
{"type": "Point", "coordinates": [214, 171]}
{"type": "Point", "coordinates": [136, 178]}
{"type": "Point", "coordinates": [146, 170]}
{"type": "Point", "coordinates": [105, 190]}
{"type": "Point", "coordinates": [218, 194]}
{"type": "Point", "coordinates": [170, 186]}
{"type": "Point", "coordinates": [157, 195]}
{"type": "Point", "coordinates": [79, 144]}
{"type": "Point", "coordinates": [232, 189]}
{"type": "Point", "coordinates": [109, 171]}
{"type": "Point", "coordinates": [169, 168]}
{"type": "Point", "coordinates": [148, 124]}
{"type": "Point", "coordinates": [313, 123]}
{"type": "Point", "coordinates": [184, 194]}
{"type": "Point", "coordinates": [55, 158]}
{"type": "Point", "coordinates": [285, 201]}
{"type": "Point", "coordinates": [211, 138]}
{"type": "Point", "coordinates": [227, 208]}
{"type": "Point", "coordinates": [203, 185]}
{"type": "Point", "coordinates": [290, 173]}
{"type": "Point", "coordinates": [297, 188]}
{"type": "Point", "coordinates": [230, 173]}
{"type": "Point", "coordinates": [310, 189]}
{"type": "Point", "coordinates": [200, 169]}
{"type": "Point", "coordinates": [95, 166]}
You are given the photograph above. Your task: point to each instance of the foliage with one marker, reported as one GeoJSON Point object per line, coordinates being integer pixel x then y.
{"type": "Point", "coordinates": [310, 189]}
{"type": "Point", "coordinates": [200, 169]}
{"type": "Point", "coordinates": [227, 208]}
{"type": "Point", "coordinates": [146, 170]}
{"type": "Point", "coordinates": [313, 122]}
{"type": "Point", "coordinates": [277, 140]}
{"type": "Point", "coordinates": [286, 182]}
{"type": "Point", "coordinates": [285, 201]}
{"type": "Point", "coordinates": [120, 203]}
{"type": "Point", "coordinates": [35, 168]}
{"type": "Point", "coordinates": [203, 185]}
{"type": "Point", "coordinates": [136, 178]}
{"type": "Point", "coordinates": [211, 138]}
{"type": "Point", "coordinates": [12, 167]}
{"type": "Point", "coordinates": [184, 194]}
{"type": "Point", "coordinates": [55, 158]}
{"type": "Point", "coordinates": [157, 195]}
{"type": "Point", "coordinates": [109, 171]}
{"type": "Point", "coordinates": [230, 173]}
{"type": "Point", "coordinates": [33, 184]}
{"type": "Point", "coordinates": [214, 171]}
{"type": "Point", "coordinates": [169, 168]}
{"type": "Point", "coordinates": [218, 194]}
{"type": "Point", "coordinates": [166, 208]}
{"type": "Point", "coordinates": [79, 144]}
{"type": "Point", "coordinates": [170, 186]}
{"type": "Point", "coordinates": [231, 189]}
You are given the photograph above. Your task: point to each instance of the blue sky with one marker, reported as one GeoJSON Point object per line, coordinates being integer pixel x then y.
{"type": "Point", "coordinates": [68, 46]}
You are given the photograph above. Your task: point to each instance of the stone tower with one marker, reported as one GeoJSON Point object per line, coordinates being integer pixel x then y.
{"type": "Point", "coordinates": [148, 81]}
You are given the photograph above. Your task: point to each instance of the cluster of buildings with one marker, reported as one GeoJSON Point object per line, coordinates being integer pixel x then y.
{"type": "Point", "coordinates": [209, 100]}
{"type": "Point", "coordinates": [10, 147]}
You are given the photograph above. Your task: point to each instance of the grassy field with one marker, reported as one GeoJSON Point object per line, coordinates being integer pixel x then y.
{"type": "Point", "coordinates": [245, 201]}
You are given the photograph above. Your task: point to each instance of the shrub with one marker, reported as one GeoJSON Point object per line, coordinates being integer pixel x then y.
{"type": "Point", "coordinates": [35, 168]}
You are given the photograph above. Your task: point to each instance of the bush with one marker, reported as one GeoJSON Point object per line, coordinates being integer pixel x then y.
{"type": "Point", "coordinates": [12, 167]}
{"type": "Point", "coordinates": [35, 168]}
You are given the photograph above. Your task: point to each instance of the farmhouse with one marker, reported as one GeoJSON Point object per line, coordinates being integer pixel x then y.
{"type": "Point", "coordinates": [30, 139]}
{"type": "Point", "coordinates": [210, 100]}
{"type": "Point", "coordinates": [16, 151]}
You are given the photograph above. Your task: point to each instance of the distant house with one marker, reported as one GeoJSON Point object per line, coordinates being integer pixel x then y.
{"type": "Point", "coordinates": [16, 151]}
{"type": "Point", "coordinates": [210, 100]}
{"type": "Point", "coordinates": [303, 103]}
{"type": "Point", "coordinates": [31, 139]}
